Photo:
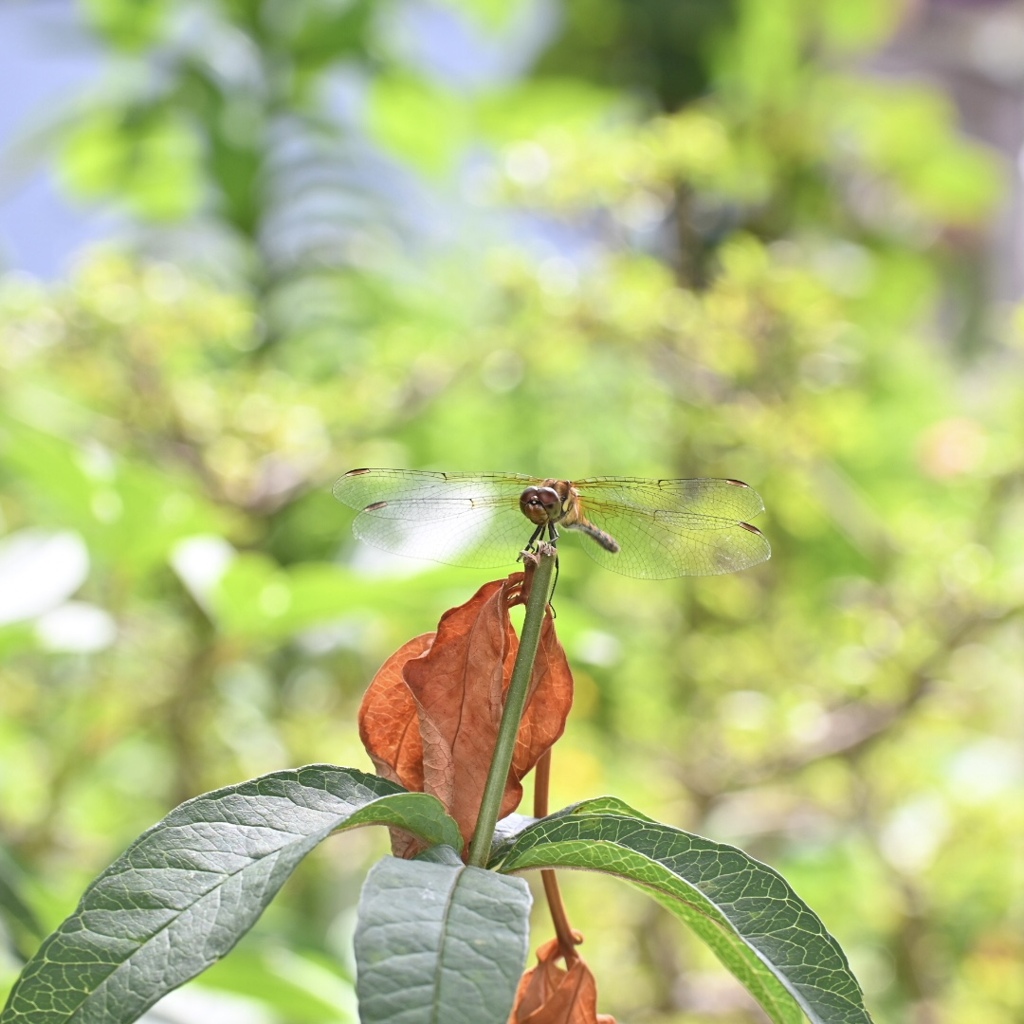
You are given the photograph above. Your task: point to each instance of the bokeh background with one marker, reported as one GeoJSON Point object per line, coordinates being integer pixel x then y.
{"type": "Point", "coordinates": [250, 244]}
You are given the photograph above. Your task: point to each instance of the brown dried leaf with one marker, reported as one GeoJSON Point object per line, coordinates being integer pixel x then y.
{"type": "Point", "coordinates": [549, 994]}
{"type": "Point", "coordinates": [547, 708]}
{"type": "Point", "coordinates": [430, 718]}
{"type": "Point", "coordinates": [459, 687]}
{"type": "Point", "coordinates": [388, 722]}
{"type": "Point", "coordinates": [390, 730]}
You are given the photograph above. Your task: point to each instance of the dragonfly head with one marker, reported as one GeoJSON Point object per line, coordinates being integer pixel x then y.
{"type": "Point", "coordinates": [541, 505]}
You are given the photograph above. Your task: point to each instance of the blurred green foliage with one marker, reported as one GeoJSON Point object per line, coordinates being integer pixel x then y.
{"type": "Point", "coordinates": [717, 249]}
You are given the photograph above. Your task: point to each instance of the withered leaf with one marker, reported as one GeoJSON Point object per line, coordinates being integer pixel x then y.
{"type": "Point", "coordinates": [550, 994]}
{"type": "Point", "coordinates": [389, 729]}
{"type": "Point", "coordinates": [458, 687]}
{"type": "Point", "coordinates": [388, 724]}
{"type": "Point", "coordinates": [430, 718]}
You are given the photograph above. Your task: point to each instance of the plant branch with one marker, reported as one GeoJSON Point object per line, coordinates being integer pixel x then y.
{"type": "Point", "coordinates": [854, 726]}
{"type": "Point", "coordinates": [568, 939]}
{"type": "Point", "coordinates": [515, 703]}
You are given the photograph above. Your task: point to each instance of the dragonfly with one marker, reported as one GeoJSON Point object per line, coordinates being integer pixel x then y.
{"type": "Point", "coordinates": [647, 529]}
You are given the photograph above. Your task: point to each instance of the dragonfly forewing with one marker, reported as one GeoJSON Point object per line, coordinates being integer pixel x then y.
{"type": "Point", "coordinates": [482, 535]}
{"type": "Point", "coordinates": [361, 487]}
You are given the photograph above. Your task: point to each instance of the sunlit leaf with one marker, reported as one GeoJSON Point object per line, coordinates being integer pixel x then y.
{"type": "Point", "coordinates": [299, 985]}
{"type": "Point", "coordinates": [257, 599]}
{"type": "Point", "coordinates": [129, 24]}
{"type": "Point", "coordinates": [535, 107]}
{"type": "Point", "coordinates": [418, 121]}
{"type": "Point", "coordinates": [491, 14]}
{"type": "Point", "coordinates": [38, 570]}
{"type": "Point", "coordinates": [148, 159]}
{"type": "Point", "coordinates": [859, 26]}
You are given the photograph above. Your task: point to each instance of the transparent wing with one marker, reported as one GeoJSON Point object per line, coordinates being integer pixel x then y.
{"type": "Point", "coordinates": [361, 487]}
{"type": "Point", "coordinates": [477, 536]}
{"type": "Point", "coordinates": [662, 544]}
{"type": "Point", "coordinates": [730, 500]}
{"type": "Point", "coordinates": [665, 527]}
{"type": "Point", "coordinates": [457, 518]}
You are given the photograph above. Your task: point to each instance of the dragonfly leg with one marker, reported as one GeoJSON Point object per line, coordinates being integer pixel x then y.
{"type": "Point", "coordinates": [553, 538]}
{"type": "Point", "coordinates": [531, 544]}
{"type": "Point", "coordinates": [534, 543]}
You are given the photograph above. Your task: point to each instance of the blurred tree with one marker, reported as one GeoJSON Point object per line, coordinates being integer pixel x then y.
{"type": "Point", "coordinates": [719, 252]}
{"type": "Point", "coordinates": [658, 48]}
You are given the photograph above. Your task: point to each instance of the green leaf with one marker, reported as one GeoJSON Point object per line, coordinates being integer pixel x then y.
{"type": "Point", "coordinates": [744, 910]}
{"type": "Point", "coordinates": [300, 986]}
{"type": "Point", "coordinates": [488, 14]}
{"type": "Point", "coordinates": [858, 26]}
{"type": "Point", "coordinates": [548, 104]}
{"type": "Point", "coordinates": [601, 805]}
{"type": "Point", "coordinates": [419, 121]}
{"type": "Point", "coordinates": [130, 514]}
{"type": "Point", "coordinates": [512, 826]}
{"type": "Point", "coordinates": [187, 890]}
{"type": "Point", "coordinates": [128, 24]}
{"type": "Point", "coordinates": [258, 599]}
{"type": "Point", "coordinates": [149, 158]}
{"type": "Point", "coordinates": [16, 916]}
{"type": "Point", "coordinates": [439, 942]}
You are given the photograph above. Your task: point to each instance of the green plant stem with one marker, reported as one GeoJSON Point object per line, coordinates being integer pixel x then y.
{"type": "Point", "coordinates": [515, 703]}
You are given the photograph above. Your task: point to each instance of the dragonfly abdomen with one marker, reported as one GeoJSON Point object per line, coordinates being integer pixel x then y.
{"type": "Point", "coordinates": [606, 540]}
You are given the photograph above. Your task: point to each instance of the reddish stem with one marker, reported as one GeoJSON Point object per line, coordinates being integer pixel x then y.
{"type": "Point", "coordinates": [568, 938]}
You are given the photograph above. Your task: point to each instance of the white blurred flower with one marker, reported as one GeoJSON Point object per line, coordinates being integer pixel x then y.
{"type": "Point", "coordinates": [200, 563]}
{"type": "Point", "coordinates": [76, 627]}
{"type": "Point", "coordinates": [39, 570]}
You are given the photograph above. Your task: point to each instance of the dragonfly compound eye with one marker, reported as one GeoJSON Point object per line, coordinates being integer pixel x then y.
{"type": "Point", "coordinates": [540, 504]}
